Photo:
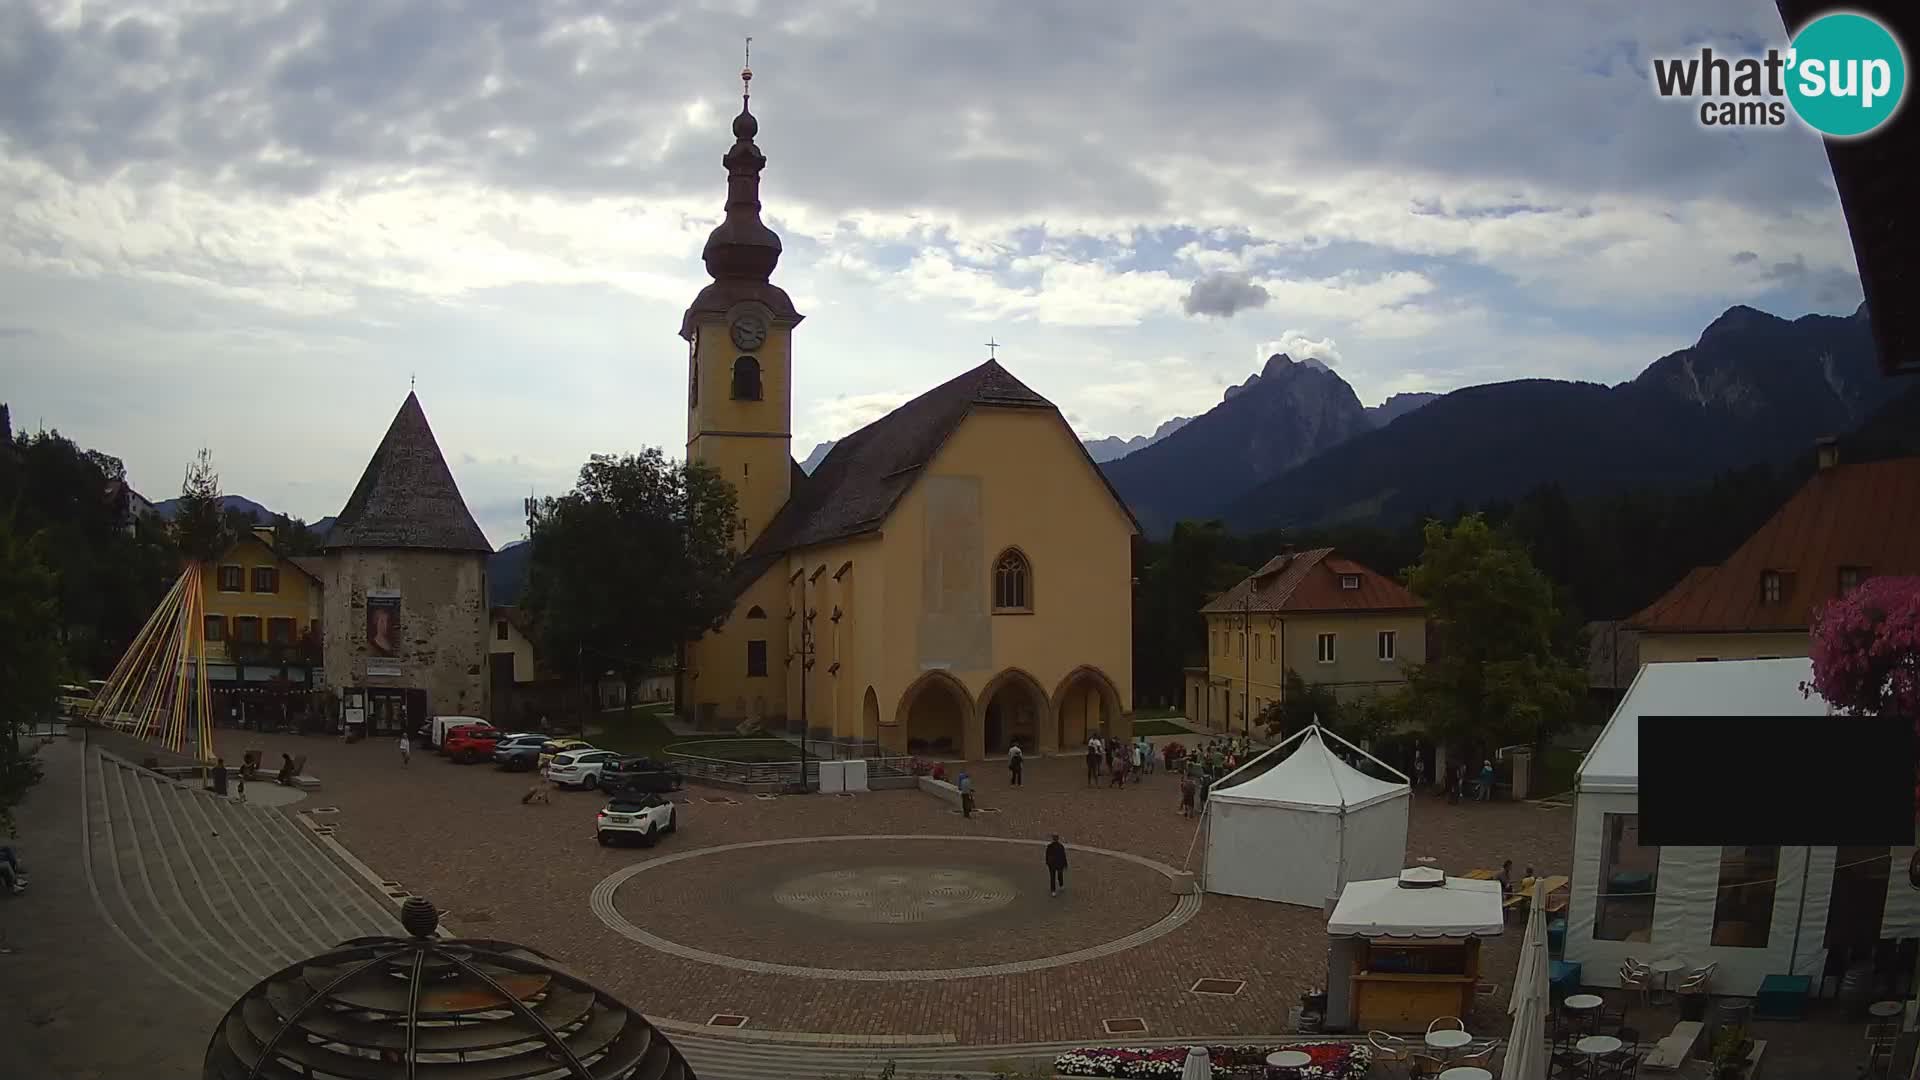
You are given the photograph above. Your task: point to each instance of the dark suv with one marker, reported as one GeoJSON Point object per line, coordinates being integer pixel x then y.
{"type": "Point", "coordinates": [640, 776]}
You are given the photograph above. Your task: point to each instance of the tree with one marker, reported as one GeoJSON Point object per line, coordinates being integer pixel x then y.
{"type": "Point", "coordinates": [1497, 677]}
{"type": "Point", "coordinates": [1866, 651]}
{"type": "Point", "coordinates": [201, 525]}
{"type": "Point", "coordinates": [1301, 703]}
{"type": "Point", "coordinates": [31, 664]}
{"type": "Point", "coordinates": [633, 562]}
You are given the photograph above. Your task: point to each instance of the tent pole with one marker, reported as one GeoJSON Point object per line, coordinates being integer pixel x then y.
{"type": "Point", "coordinates": [1806, 868]}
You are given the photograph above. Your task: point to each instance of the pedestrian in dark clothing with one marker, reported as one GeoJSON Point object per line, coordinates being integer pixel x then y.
{"type": "Point", "coordinates": [965, 784]}
{"type": "Point", "coordinates": [1015, 763]}
{"type": "Point", "coordinates": [1187, 791]}
{"type": "Point", "coordinates": [1056, 866]}
{"type": "Point", "coordinates": [1506, 877]}
{"type": "Point", "coordinates": [1093, 764]}
{"type": "Point", "coordinates": [1206, 784]}
{"type": "Point", "coordinates": [1119, 773]}
{"type": "Point", "coordinates": [219, 777]}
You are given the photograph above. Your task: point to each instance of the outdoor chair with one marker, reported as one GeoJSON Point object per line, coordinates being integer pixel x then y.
{"type": "Point", "coordinates": [1612, 1012]}
{"type": "Point", "coordinates": [1623, 1064]}
{"type": "Point", "coordinates": [1391, 1049]}
{"type": "Point", "coordinates": [1425, 1067]}
{"type": "Point", "coordinates": [1566, 1063]}
{"type": "Point", "coordinates": [1478, 1054]}
{"type": "Point", "coordinates": [1446, 1023]}
{"type": "Point", "coordinates": [1697, 981]}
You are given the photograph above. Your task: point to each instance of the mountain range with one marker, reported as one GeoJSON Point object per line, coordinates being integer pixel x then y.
{"type": "Point", "coordinates": [1755, 388]}
{"type": "Point", "coordinates": [1102, 450]}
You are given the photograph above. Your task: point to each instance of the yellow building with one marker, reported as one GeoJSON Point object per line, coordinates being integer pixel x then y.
{"type": "Point", "coordinates": [953, 576]}
{"type": "Point", "coordinates": [255, 596]}
{"type": "Point", "coordinates": [1333, 621]}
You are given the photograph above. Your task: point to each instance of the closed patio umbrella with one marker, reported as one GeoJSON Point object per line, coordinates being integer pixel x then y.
{"type": "Point", "coordinates": [1198, 1067]}
{"type": "Point", "coordinates": [1527, 1044]}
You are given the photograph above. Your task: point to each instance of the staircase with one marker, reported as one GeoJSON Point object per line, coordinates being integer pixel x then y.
{"type": "Point", "coordinates": [217, 893]}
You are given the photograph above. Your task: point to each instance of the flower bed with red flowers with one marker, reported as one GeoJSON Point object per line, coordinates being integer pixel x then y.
{"type": "Point", "coordinates": [1331, 1061]}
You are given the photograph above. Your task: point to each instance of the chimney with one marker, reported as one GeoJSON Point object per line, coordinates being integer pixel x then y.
{"type": "Point", "coordinates": [1826, 452]}
{"type": "Point", "coordinates": [264, 534]}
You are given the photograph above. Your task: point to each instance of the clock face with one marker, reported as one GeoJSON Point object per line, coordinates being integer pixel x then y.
{"type": "Point", "coordinates": [749, 331]}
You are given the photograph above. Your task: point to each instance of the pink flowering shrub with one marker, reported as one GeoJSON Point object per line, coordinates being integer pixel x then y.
{"type": "Point", "coordinates": [1331, 1061]}
{"type": "Point", "coordinates": [1866, 650]}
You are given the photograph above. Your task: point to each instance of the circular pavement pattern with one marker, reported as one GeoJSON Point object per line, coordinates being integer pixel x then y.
{"type": "Point", "coordinates": [873, 895]}
{"type": "Point", "coordinates": [896, 894]}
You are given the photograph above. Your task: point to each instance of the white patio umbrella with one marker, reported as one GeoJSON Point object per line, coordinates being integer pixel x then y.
{"type": "Point", "coordinates": [1527, 1044]}
{"type": "Point", "coordinates": [1198, 1067]}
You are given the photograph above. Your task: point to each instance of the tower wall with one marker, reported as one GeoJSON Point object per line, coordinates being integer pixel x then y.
{"type": "Point", "coordinates": [441, 638]}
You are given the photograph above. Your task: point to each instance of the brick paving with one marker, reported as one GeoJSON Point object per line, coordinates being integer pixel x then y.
{"type": "Point", "coordinates": [459, 835]}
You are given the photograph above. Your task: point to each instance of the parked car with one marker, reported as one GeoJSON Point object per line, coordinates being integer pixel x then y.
{"type": "Point", "coordinates": [640, 775]}
{"type": "Point", "coordinates": [646, 818]}
{"type": "Point", "coordinates": [579, 768]}
{"type": "Point", "coordinates": [519, 753]}
{"type": "Point", "coordinates": [470, 745]}
{"type": "Point", "coordinates": [560, 746]}
{"type": "Point", "coordinates": [75, 701]}
{"type": "Point", "coordinates": [438, 727]}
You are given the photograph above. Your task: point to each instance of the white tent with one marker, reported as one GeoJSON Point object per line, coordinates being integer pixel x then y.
{"type": "Point", "coordinates": [1457, 908]}
{"type": "Point", "coordinates": [1654, 903]}
{"type": "Point", "coordinates": [1298, 831]}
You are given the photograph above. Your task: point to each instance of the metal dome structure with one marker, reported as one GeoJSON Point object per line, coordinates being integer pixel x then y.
{"type": "Point", "coordinates": [418, 1007]}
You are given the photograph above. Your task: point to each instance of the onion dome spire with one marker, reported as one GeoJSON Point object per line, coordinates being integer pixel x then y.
{"type": "Point", "coordinates": [742, 248]}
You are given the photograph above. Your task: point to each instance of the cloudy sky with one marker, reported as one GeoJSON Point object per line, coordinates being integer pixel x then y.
{"type": "Point", "coordinates": [246, 224]}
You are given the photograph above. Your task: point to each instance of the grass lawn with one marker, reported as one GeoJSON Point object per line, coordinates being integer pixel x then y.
{"type": "Point", "coordinates": [1553, 772]}
{"type": "Point", "coordinates": [738, 749]}
{"type": "Point", "coordinates": [1159, 727]}
{"type": "Point", "coordinates": [1157, 714]}
{"type": "Point", "coordinates": [643, 733]}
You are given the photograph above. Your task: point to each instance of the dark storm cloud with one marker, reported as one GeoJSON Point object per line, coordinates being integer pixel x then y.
{"type": "Point", "coordinates": [1224, 294]}
{"type": "Point", "coordinates": [999, 107]}
{"type": "Point", "coordinates": [1827, 288]}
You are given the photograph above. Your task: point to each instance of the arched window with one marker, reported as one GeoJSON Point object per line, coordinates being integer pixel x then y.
{"type": "Point", "coordinates": [746, 379]}
{"type": "Point", "coordinates": [755, 612]}
{"type": "Point", "coordinates": [1012, 582]}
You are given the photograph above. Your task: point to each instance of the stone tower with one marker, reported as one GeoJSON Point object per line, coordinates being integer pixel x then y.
{"type": "Point", "coordinates": [406, 611]}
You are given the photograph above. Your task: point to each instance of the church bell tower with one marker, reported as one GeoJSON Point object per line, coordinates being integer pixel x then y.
{"type": "Point", "coordinates": [739, 334]}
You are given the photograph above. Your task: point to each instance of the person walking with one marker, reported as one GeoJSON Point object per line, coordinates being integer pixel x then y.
{"type": "Point", "coordinates": [1015, 761]}
{"type": "Point", "coordinates": [965, 783]}
{"type": "Point", "coordinates": [1419, 769]}
{"type": "Point", "coordinates": [1186, 794]}
{"type": "Point", "coordinates": [1139, 762]}
{"type": "Point", "coordinates": [1119, 773]}
{"type": "Point", "coordinates": [406, 749]}
{"type": "Point", "coordinates": [1093, 762]}
{"type": "Point", "coordinates": [1056, 866]}
{"type": "Point", "coordinates": [1486, 780]}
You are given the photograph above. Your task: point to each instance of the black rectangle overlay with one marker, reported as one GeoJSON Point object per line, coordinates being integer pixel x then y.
{"type": "Point", "coordinates": [1710, 781]}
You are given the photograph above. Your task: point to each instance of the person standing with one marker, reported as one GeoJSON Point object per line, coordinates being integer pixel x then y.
{"type": "Point", "coordinates": [1186, 794]}
{"type": "Point", "coordinates": [406, 749]}
{"type": "Point", "coordinates": [1419, 769]}
{"type": "Point", "coordinates": [965, 783]}
{"type": "Point", "coordinates": [1139, 761]}
{"type": "Point", "coordinates": [1486, 780]}
{"type": "Point", "coordinates": [1056, 866]}
{"type": "Point", "coordinates": [1119, 773]}
{"type": "Point", "coordinates": [1093, 762]}
{"type": "Point", "coordinates": [1014, 763]}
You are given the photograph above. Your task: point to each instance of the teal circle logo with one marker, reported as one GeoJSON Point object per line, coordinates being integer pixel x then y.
{"type": "Point", "coordinates": [1846, 74]}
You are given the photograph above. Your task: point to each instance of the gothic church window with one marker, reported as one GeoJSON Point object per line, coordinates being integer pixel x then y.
{"type": "Point", "coordinates": [756, 612]}
{"type": "Point", "coordinates": [746, 379]}
{"type": "Point", "coordinates": [1012, 582]}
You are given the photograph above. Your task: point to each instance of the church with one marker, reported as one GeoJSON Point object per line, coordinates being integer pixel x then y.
{"type": "Point", "coordinates": [953, 577]}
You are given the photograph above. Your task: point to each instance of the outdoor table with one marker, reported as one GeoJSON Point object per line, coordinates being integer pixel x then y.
{"type": "Point", "coordinates": [1289, 1059]}
{"type": "Point", "coordinates": [1448, 1041]}
{"type": "Point", "coordinates": [1665, 969]}
{"type": "Point", "coordinates": [1597, 1047]}
{"type": "Point", "coordinates": [1466, 1072]}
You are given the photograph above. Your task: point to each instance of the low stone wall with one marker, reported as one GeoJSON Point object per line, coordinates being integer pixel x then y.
{"type": "Point", "coordinates": [940, 789]}
{"type": "Point", "coordinates": [136, 750]}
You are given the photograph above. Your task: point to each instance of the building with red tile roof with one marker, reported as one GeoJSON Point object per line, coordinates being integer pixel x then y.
{"type": "Point", "coordinates": [1336, 622]}
{"type": "Point", "coordinates": [1849, 523]}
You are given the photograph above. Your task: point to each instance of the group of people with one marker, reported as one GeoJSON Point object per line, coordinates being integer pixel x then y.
{"type": "Point", "coordinates": [1458, 784]}
{"type": "Point", "coordinates": [1118, 759]}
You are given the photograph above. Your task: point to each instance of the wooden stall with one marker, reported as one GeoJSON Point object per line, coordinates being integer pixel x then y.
{"type": "Point", "coordinates": [1402, 984]}
{"type": "Point", "coordinates": [1405, 951]}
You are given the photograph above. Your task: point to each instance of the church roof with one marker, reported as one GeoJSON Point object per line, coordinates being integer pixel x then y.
{"type": "Point", "coordinates": [865, 475]}
{"type": "Point", "coordinates": [407, 497]}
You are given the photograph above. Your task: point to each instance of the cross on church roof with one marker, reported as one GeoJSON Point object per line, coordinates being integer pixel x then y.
{"type": "Point", "coordinates": [991, 346]}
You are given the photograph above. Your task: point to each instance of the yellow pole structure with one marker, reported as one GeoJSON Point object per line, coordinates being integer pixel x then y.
{"type": "Point", "coordinates": [164, 675]}
{"type": "Point", "coordinates": [183, 679]}
{"type": "Point", "coordinates": [140, 704]}
{"type": "Point", "coordinates": [128, 674]}
{"type": "Point", "coordinates": [177, 682]}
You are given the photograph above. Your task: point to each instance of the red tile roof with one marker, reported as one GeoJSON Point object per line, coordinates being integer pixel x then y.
{"type": "Point", "coordinates": [1861, 516]}
{"type": "Point", "coordinates": [1310, 582]}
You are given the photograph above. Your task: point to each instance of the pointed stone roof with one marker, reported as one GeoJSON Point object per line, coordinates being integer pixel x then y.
{"type": "Point", "coordinates": [407, 497]}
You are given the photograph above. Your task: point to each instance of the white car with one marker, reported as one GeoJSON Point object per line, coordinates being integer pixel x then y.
{"type": "Point", "coordinates": [579, 768]}
{"type": "Point", "coordinates": [648, 817]}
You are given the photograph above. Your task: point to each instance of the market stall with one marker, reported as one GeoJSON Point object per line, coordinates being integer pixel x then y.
{"type": "Point", "coordinates": [1406, 950]}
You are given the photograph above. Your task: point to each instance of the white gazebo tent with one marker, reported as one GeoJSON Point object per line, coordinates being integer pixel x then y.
{"type": "Point", "coordinates": [1405, 950]}
{"type": "Point", "coordinates": [1611, 915]}
{"type": "Point", "coordinates": [1298, 831]}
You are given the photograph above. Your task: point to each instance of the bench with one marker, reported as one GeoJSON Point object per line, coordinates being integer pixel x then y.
{"type": "Point", "coordinates": [940, 789]}
{"type": "Point", "coordinates": [1674, 1051]}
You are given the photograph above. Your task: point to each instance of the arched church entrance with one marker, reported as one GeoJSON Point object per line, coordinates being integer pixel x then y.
{"type": "Point", "coordinates": [1086, 704]}
{"type": "Point", "coordinates": [869, 717]}
{"type": "Point", "coordinates": [932, 715]}
{"type": "Point", "coordinates": [1012, 706]}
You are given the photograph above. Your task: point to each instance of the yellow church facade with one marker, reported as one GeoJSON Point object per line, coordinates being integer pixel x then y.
{"type": "Point", "coordinates": [952, 578]}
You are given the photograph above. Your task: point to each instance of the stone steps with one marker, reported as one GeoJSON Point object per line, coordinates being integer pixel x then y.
{"type": "Point", "coordinates": [217, 893]}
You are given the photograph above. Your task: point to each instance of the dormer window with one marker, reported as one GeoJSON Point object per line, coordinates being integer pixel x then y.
{"type": "Point", "coordinates": [746, 379]}
{"type": "Point", "coordinates": [1770, 587]}
{"type": "Point", "coordinates": [1349, 581]}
